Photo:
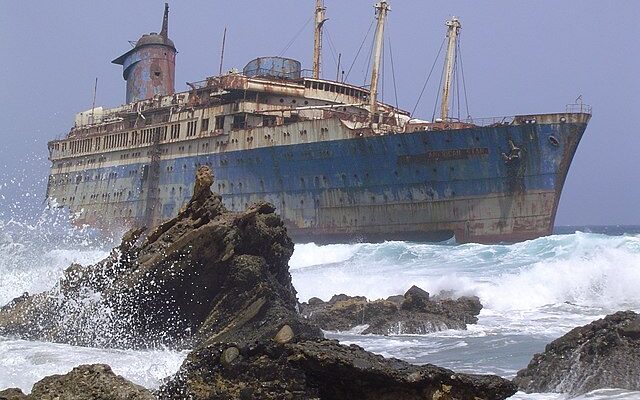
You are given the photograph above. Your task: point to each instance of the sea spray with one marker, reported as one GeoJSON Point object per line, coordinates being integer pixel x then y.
{"type": "Point", "coordinates": [583, 269]}
{"type": "Point", "coordinates": [22, 363]}
{"type": "Point", "coordinates": [33, 255]}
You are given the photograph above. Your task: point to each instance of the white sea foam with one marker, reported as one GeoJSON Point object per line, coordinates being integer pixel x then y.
{"type": "Point", "coordinates": [582, 269]}
{"type": "Point", "coordinates": [310, 254]}
{"type": "Point", "coordinates": [33, 256]}
{"type": "Point", "coordinates": [539, 287]}
{"type": "Point", "coordinates": [32, 259]}
{"type": "Point", "coordinates": [23, 363]}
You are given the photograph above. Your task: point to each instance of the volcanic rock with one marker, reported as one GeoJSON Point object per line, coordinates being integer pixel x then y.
{"type": "Point", "coordinates": [602, 354]}
{"type": "Point", "coordinates": [415, 299]}
{"type": "Point", "coordinates": [413, 313]}
{"type": "Point", "coordinates": [86, 382]}
{"type": "Point", "coordinates": [12, 394]}
{"type": "Point", "coordinates": [322, 369]}
{"type": "Point", "coordinates": [219, 282]}
{"type": "Point", "coordinates": [194, 276]}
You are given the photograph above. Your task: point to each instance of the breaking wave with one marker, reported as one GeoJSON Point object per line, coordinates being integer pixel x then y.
{"type": "Point", "coordinates": [563, 279]}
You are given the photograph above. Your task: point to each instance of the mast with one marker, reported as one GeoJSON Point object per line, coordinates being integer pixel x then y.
{"type": "Point", "coordinates": [224, 39]}
{"type": "Point", "coordinates": [317, 42]}
{"type": "Point", "coordinates": [382, 9]}
{"type": "Point", "coordinates": [452, 33]}
{"type": "Point", "coordinates": [93, 105]}
{"type": "Point", "coordinates": [164, 32]}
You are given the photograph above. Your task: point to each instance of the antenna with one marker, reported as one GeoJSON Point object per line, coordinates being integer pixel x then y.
{"type": "Point", "coordinates": [338, 70]}
{"type": "Point", "coordinates": [224, 39]}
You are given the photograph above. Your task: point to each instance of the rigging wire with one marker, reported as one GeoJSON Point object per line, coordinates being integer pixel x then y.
{"type": "Point", "coordinates": [295, 37]}
{"type": "Point", "coordinates": [435, 105]}
{"type": "Point", "coordinates": [464, 83]}
{"type": "Point", "coordinates": [359, 50]}
{"type": "Point", "coordinates": [393, 73]}
{"type": "Point", "coordinates": [381, 77]}
{"type": "Point", "coordinates": [366, 73]}
{"type": "Point", "coordinates": [332, 47]}
{"type": "Point", "coordinates": [457, 82]}
{"type": "Point", "coordinates": [428, 77]}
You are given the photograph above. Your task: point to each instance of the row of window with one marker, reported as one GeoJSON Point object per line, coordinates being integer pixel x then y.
{"type": "Point", "coordinates": [159, 134]}
{"type": "Point", "coordinates": [124, 139]}
{"type": "Point", "coordinates": [116, 140]}
{"type": "Point", "coordinates": [328, 87]}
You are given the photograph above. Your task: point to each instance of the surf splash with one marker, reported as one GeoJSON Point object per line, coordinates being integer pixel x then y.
{"type": "Point", "coordinates": [579, 275]}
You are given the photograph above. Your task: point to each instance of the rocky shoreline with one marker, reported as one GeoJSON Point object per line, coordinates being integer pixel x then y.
{"type": "Point", "coordinates": [218, 282]}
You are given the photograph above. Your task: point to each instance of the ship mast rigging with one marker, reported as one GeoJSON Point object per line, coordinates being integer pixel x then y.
{"type": "Point", "coordinates": [450, 64]}
{"type": "Point", "coordinates": [382, 9]}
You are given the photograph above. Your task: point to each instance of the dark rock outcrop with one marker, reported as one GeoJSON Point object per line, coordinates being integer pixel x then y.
{"type": "Point", "coordinates": [191, 278]}
{"type": "Point", "coordinates": [321, 369]}
{"type": "Point", "coordinates": [86, 382]}
{"type": "Point", "coordinates": [12, 394]}
{"type": "Point", "coordinates": [602, 354]}
{"type": "Point", "coordinates": [413, 313]}
{"type": "Point", "coordinates": [220, 281]}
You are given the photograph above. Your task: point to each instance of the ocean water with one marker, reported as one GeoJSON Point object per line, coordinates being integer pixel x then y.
{"type": "Point", "coordinates": [532, 292]}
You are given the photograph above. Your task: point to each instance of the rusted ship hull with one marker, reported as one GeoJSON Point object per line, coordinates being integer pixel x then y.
{"type": "Point", "coordinates": [480, 184]}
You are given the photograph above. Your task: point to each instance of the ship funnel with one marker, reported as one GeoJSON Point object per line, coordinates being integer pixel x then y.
{"type": "Point", "coordinates": [150, 67]}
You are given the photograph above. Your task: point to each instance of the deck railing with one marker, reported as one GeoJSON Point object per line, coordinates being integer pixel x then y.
{"type": "Point", "coordinates": [579, 108]}
{"type": "Point", "coordinates": [490, 121]}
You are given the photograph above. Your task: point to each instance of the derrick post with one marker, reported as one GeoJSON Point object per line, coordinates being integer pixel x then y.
{"type": "Point", "coordinates": [382, 9]}
{"type": "Point", "coordinates": [317, 43]}
{"type": "Point", "coordinates": [450, 63]}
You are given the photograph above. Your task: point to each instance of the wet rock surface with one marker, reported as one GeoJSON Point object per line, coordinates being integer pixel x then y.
{"type": "Point", "coordinates": [321, 369]}
{"type": "Point", "coordinates": [219, 282]}
{"type": "Point", "coordinates": [12, 394]}
{"type": "Point", "coordinates": [602, 354]}
{"type": "Point", "coordinates": [85, 382]}
{"type": "Point", "coordinates": [414, 313]}
{"type": "Point", "coordinates": [192, 277]}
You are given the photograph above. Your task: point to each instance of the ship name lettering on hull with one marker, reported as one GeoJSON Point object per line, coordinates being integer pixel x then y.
{"type": "Point", "coordinates": [438, 155]}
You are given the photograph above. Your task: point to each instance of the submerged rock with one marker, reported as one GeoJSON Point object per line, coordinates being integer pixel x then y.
{"type": "Point", "coordinates": [602, 354]}
{"type": "Point", "coordinates": [413, 313]}
{"type": "Point", "coordinates": [86, 382]}
{"type": "Point", "coordinates": [219, 281]}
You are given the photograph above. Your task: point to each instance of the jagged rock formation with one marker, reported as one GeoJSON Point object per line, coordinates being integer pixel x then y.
{"type": "Point", "coordinates": [602, 354]}
{"type": "Point", "coordinates": [413, 313]}
{"type": "Point", "coordinates": [187, 281]}
{"type": "Point", "coordinates": [220, 281]}
{"type": "Point", "coordinates": [86, 382]}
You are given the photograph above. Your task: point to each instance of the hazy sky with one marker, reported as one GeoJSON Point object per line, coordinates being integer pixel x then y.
{"type": "Point", "coordinates": [519, 57]}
